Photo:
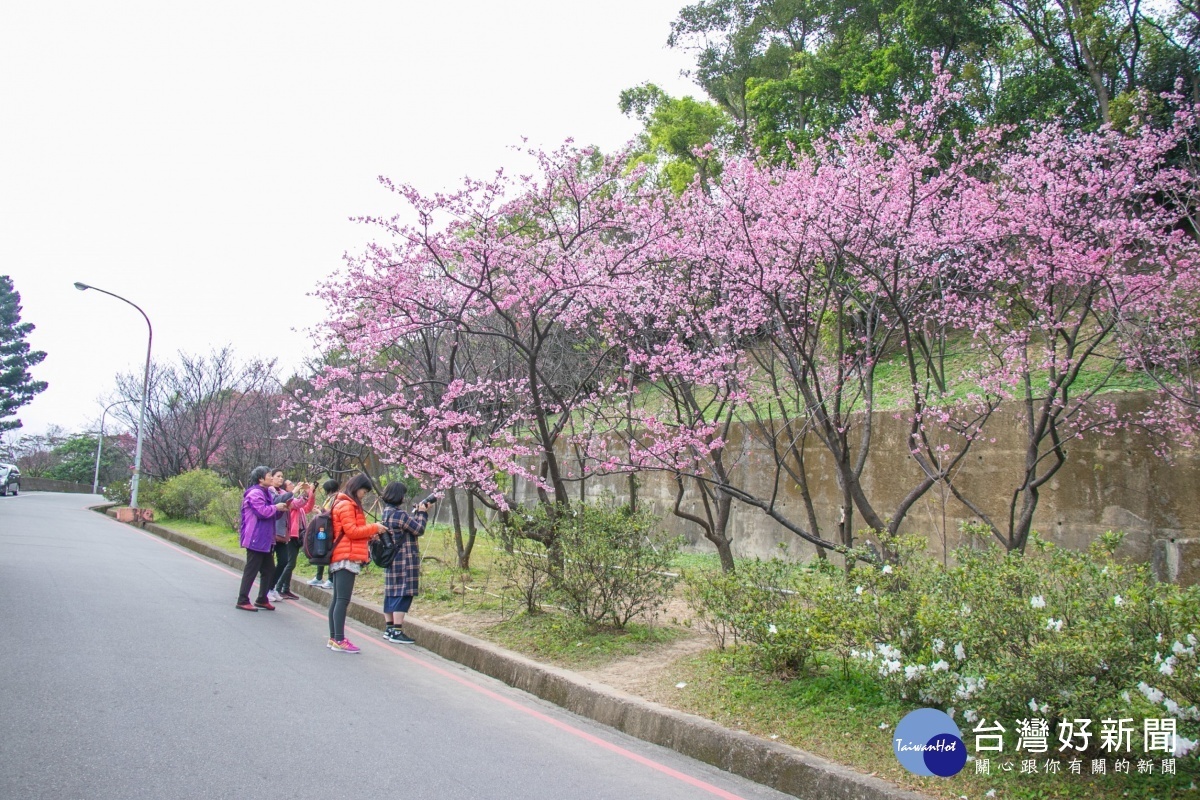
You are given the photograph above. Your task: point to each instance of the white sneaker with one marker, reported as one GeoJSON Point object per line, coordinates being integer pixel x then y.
{"type": "Point", "coordinates": [274, 596]}
{"type": "Point", "coordinates": [315, 582]}
{"type": "Point", "coordinates": [327, 584]}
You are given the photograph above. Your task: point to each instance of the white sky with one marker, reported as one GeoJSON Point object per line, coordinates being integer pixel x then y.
{"type": "Point", "coordinates": [202, 159]}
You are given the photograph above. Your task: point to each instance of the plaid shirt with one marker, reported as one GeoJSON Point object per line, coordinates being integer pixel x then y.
{"type": "Point", "coordinates": [403, 576]}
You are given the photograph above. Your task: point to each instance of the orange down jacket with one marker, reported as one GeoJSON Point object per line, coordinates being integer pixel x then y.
{"type": "Point", "coordinates": [351, 524]}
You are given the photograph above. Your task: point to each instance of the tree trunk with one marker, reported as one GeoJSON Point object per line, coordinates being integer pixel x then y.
{"type": "Point", "coordinates": [456, 522]}
{"type": "Point", "coordinates": [465, 550]}
{"type": "Point", "coordinates": [720, 537]}
{"type": "Point", "coordinates": [715, 522]}
{"type": "Point", "coordinates": [810, 508]}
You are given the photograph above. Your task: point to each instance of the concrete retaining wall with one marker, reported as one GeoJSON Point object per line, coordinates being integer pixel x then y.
{"type": "Point", "coordinates": [1116, 483]}
{"type": "Point", "coordinates": [47, 485]}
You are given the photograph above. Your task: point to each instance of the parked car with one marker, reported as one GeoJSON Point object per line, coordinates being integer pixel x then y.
{"type": "Point", "coordinates": [10, 479]}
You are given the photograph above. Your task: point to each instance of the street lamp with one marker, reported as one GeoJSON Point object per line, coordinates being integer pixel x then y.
{"type": "Point", "coordinates": [137, 453]}
{"type": "Point", "coordinates": [99, 444]}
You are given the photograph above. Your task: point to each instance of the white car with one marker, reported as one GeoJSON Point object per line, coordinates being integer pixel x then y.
{"type": "Point", "coordinates": [10, 479]}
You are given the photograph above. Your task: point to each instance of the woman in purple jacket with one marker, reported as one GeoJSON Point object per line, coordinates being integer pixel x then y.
{"type": "Point", "coordinates": [258, 537]}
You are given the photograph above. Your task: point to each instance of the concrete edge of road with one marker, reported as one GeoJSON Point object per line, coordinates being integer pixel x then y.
{"type": "Point", "coordinates": [769, 763]}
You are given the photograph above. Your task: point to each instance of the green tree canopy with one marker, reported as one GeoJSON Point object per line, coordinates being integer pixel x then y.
{"type": "Point", "coordinates": [17, 386]}
{"type": "Point", "coordinates": [678, 129]}
{"type": "Point", "coordinates": [76, 460]}
{"type": "Point", "coordinates": [786, 71]}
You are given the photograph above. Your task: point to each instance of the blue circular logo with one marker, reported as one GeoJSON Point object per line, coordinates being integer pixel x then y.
{"type": "Point", "coordinates": [927, 742]}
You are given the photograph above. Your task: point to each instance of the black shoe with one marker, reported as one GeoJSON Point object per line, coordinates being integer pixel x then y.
{"type": "Point", "coordinates": [398, 636]}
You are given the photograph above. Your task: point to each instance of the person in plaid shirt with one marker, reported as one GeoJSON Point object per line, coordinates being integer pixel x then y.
{"type": "Point", "coordinates": [403, 576]}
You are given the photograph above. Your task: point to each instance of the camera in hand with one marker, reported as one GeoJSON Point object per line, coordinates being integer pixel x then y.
{"type": "Point", "coordinates": [430, 499]}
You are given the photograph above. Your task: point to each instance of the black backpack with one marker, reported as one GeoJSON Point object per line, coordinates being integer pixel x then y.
{"type": "Point", "coordinates": [318, 541]}
{"type": "Point", "coordinates": [383, 548]}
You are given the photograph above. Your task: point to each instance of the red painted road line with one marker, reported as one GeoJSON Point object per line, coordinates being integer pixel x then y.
{"type": "Point", "coordinates": [508, 701]}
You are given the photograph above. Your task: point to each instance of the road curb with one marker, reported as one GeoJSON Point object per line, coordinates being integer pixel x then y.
{"type": "Point", "coordinates": [769, 763]}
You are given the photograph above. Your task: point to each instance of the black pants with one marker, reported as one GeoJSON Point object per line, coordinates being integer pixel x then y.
{"type": "Point", "coordinates": [285, 562]}
{"type": "Point", "coordinates": [260, 564]}
{"type": "Point", "coordinates": [343, 587]}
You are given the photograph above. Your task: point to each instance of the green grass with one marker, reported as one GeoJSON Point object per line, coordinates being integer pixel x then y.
{"type": "Point", "coordinates": [892, 388]}
{"type": "Point", "coordinates": [441, 582]}
{"type": "Point", "coordinates": [841, 718]}
{"type": "Point", "coordinates": [216, 535]}
{"type": "Point", "coordinates": [567, 642]}
{"type": "Point", "coordinates": [220, 536]}
{"type": "Point", "coordinates": [697, 561]}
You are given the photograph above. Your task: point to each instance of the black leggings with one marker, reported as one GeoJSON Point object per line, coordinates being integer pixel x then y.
{"type": "Point", "coordinates": [343, 587]}
{"type": "Point", "coordinates": [285, 562]}
{"type": "Point", "coordinates": [260, 564]}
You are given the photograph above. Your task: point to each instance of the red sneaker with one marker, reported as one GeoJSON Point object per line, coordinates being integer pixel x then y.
{"type": "Point", "coordinates": [246, 607]}
{"type": "Point", "coordinates": [290, 595]}
{"type": "Point", "coordinates": [264, 604]}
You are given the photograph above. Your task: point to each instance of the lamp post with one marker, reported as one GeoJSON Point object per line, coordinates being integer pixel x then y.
{"type": "Point", "coordinates": [100, 444]}
{"type": "Point", "coordinates": [137, 453]}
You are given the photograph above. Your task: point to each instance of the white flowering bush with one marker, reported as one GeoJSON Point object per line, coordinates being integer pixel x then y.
{"type": "Point", "coordinates": [1171, 682]}
{"type": "Point", "coordinates": [1062, 632]}
{"type": "Point", "coordinates": [771, 605]}
{"type": "Point", "coordinates": [1057, 633]}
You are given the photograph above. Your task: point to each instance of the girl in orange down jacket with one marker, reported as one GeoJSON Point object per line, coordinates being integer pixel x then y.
{"type": "Point", "coordinates": [351, 532]}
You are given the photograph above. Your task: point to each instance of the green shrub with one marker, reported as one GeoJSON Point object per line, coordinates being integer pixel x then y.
{"type": "Point", "coordinates": [187, 496]}
{"type": "Point", "coordinates": [783, 609]}
{"type": "Point", "coordinates": [604, 566]}
{"type": "Point", "coordinates": [225, 509]}
{"type": "Point", "coordinates": [118, 492]}
{"type": "Point", "coordinates": [614, 565]}
{"type": "Point", "coordinates": [526, 573]}
{"type": "Point", "coordinates": [1054, 634]}
{"type": "Point", "coordinates": [712, 595]}
{"type": "Point", "coordinates": [149, 492]}
{"type": "Point", "coordinates": [1172, 680]}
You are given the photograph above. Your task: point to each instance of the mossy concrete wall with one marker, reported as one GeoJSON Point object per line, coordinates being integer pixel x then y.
{"type": "Point", "coordinates": [1114, 482]}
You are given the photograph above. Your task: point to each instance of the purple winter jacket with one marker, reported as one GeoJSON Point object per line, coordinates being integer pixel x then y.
{"type": "Point", "coordinates": [258, 519]}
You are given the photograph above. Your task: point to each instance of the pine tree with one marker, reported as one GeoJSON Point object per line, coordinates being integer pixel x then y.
{"type": "Point", "coordinates": [17, 386]}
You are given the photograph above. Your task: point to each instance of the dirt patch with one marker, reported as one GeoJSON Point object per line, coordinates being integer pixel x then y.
{"type": "Point", "coordinates": [647, 674]}
{"type": "Point", "coordinates": [472, 623]}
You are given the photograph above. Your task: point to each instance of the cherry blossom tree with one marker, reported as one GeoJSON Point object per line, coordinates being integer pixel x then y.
{"type": "Point", "coordinates": [685, 367]}
{"type": "Point", "coordinates": [1088, 259]}
{"type": "Point", "coordinates": [826, 269]}
{"type": "Point", "coordinates": [979, 275]}
{"type": "Point", "coordinates": [1165, 344]}
{"type": "Point", "coordinates": [468, 335]}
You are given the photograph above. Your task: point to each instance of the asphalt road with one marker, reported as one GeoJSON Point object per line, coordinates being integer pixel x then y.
{"type": "Point", "coordinates": [128, 673]}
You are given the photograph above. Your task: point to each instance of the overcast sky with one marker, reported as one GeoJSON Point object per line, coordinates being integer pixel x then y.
{"type": "Point", "coordinates": [203, 159]}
